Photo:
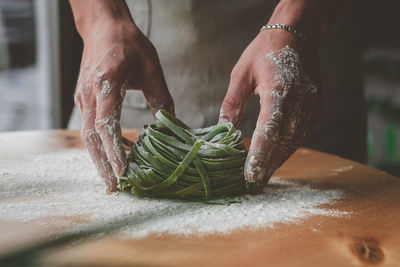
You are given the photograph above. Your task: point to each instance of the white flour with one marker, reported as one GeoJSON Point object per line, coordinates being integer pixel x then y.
{"type": "Point", "coordinates": [66, 184]}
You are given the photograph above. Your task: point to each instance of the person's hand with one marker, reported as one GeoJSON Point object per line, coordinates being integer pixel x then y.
{"type": "Point", "coordinates": [116, 58]}
{"type": "Point", "coordinates": [285, 77]}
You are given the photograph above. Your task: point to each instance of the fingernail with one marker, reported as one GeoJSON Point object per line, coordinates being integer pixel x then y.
{"type": "Point", "coordinates": [111, 184]}
{"type": "Point", "coordinates": [111, 191]}
{"type": "Point", "coordinates": [171, 110]}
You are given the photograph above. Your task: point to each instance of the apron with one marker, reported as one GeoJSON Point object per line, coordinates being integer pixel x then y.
{"type": "Point", "coordinates": [200, 41]}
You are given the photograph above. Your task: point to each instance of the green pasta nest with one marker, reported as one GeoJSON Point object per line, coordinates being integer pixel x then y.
{"type": "Point", "coordinates": [170, 160]}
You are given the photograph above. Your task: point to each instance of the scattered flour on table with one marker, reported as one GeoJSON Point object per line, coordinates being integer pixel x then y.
{"type": "Point", "coordinates": [66, 184]}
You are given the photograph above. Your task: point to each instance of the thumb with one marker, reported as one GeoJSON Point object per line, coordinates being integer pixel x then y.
{"type": "Point", "coordinates": [236, 98]}
{"type": "Point", "coordinates": [156, 92]}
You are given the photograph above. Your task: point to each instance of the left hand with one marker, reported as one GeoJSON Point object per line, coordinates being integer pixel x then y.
{"type": "Point", "coordinates": [284, 74]}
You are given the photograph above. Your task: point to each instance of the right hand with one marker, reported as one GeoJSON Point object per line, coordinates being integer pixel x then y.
{"type": "Point", "coordinates": [116, 58]}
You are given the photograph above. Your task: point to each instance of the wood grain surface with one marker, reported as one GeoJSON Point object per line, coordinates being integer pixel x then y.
{"type": "Point", "coordinates": [368, 235]}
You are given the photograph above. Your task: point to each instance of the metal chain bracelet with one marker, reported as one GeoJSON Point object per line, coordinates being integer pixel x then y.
{"type": "Point", "coordinates": [299, 35]}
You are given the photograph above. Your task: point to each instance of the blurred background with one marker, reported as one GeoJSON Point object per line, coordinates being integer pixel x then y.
{"type": "Point", "coordinates": [40, 55]}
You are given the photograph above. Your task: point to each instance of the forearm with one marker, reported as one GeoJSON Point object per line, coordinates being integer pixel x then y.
{"type": "Point", "coordinates": [313, 17]}
{"type": "Point", "coordinates": [89, 14]}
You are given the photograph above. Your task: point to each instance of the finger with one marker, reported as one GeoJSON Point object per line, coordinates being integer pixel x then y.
{"type": "Point", "coordinates": [155, 90]}
{"type": "Point", "coordinates": [294, 127]}
{"type": "Point", "coordinates": [296, 120]}
{"type": "Point", "coordinates": [293, 135]}
{"type": "Point", "coordinates": [108, 112]}
{"type": "Point", "coordinates": [236, 98]}
{"type": "Point", "coordinates": [300, 119]}
{"type": "Point", "coordinates": [92, 140]}
{"type": "Point", "coordinates": [265, 136]}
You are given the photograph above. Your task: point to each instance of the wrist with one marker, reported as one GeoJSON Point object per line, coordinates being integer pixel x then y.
{"type": "Point", "coordinates": [302, 14]}
{"type": "Point", "coordinates": [92, 16]}
{"type": "Point", "coordinates": [109, 31]}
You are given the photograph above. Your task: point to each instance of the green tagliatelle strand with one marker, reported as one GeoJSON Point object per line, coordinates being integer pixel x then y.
{"type": "Point", "coordinates": [173, 161]}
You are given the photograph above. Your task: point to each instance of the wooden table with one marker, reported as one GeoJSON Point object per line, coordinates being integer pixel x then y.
{"type": "Point", "coordinates": [370, 235]}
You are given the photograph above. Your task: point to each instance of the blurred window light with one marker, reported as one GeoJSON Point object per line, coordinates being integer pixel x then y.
{"type": "Point", "coordinates": [29, 65]}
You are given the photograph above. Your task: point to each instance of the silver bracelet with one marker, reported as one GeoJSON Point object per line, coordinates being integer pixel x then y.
{"type": "Point", "coordinates": [291, 29]}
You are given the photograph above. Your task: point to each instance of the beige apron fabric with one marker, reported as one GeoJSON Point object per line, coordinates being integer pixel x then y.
{"type": "Point", "coordinates": [199, 42]}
